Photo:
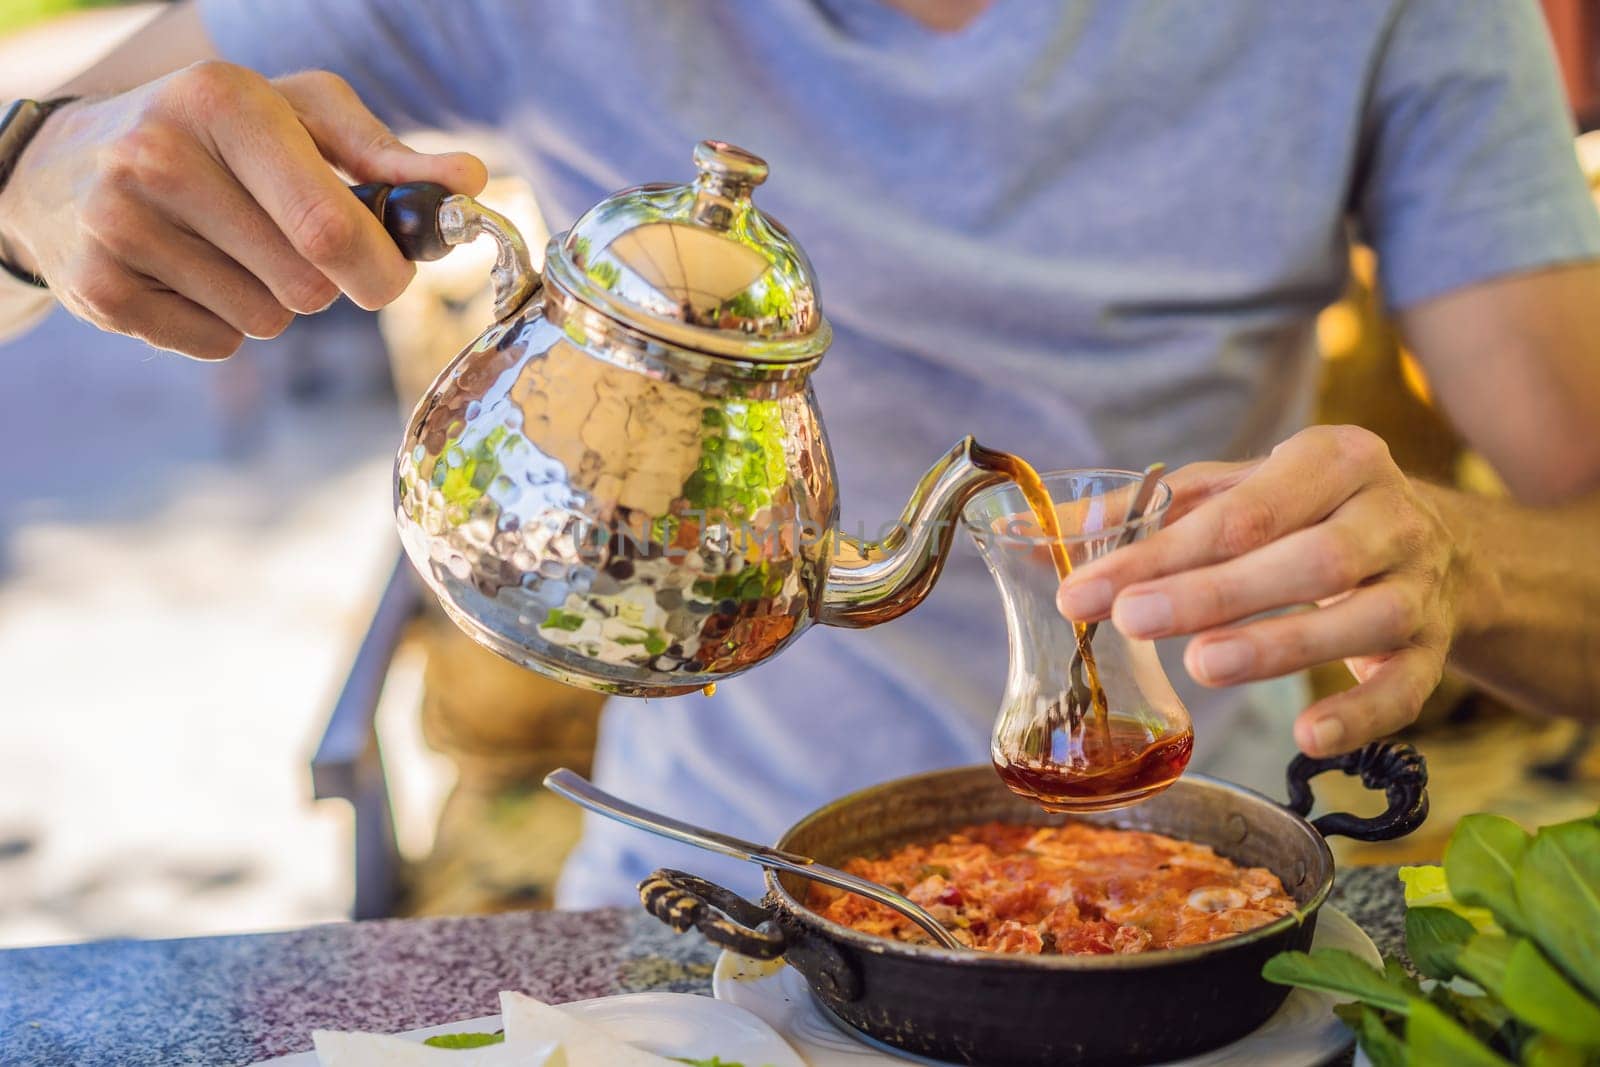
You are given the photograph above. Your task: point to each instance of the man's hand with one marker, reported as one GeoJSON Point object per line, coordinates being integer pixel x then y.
{"type": "Point", "coordinates": [1327, 519]}
{"type": "Point", "coordinates": [204, 207]}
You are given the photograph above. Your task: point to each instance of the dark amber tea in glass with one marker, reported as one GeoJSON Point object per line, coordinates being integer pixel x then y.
{"type": "Point", "coordinates": [1114, 732]}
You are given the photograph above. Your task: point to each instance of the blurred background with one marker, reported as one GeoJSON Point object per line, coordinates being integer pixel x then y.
{"type": "Point", "coordinates": [218, 538]}
{"type": "Point", "coordinates": [212, 535]}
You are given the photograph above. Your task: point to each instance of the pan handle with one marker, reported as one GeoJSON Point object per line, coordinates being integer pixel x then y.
{"type": "Point", "coordinates": [1393, 766]}
{"type": "Point", "coordinates": [730, 921]}
{"type": "Point", "coordinates": [426, 220]}
{"type": "Point", "coordinates": [722, 916]}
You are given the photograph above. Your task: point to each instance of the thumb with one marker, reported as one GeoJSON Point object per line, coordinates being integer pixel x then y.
{"type": "Point", "coordinates": [354, 140]}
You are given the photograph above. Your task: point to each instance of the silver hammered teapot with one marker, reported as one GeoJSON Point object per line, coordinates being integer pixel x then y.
{"type": "Point", "coordinates": [624, 482]}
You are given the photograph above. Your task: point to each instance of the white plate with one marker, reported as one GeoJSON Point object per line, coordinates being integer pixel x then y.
{"type": "Point", "coordinates": [1304, 1032]}
{"type": "Point", "coordinates": [668, 1024]}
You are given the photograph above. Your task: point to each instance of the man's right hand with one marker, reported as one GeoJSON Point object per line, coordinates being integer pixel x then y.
{"type": "Point", "coordinates": [204, 207]}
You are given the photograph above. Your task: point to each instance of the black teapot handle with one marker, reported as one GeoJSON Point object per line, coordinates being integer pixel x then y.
{"type": "Point", "coordinates": [410, 213]}
{"type": "Point", "coordinates": [1396, 768]}
{"type": "Point", "coordinates": [426, 220]}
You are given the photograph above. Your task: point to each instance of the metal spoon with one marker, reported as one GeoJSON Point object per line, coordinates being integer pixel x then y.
{"type": "Point", "coordinates": [1080, 695]}
{"type": "Point", "coordinates": [578, 789]}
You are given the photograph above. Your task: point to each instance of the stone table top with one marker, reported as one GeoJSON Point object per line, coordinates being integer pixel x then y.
{"type": "Point", "coordinates": [239, 999]}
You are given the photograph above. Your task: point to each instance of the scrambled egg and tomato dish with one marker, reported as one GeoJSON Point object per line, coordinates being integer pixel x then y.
{"type": "Point", "coordinates": [1072, 889]}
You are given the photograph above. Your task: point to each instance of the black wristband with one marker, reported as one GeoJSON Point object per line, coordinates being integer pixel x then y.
{"type": "Point", "coordinates": [18, 126]}
{"type": "Point", "coordinates": [27, 277]}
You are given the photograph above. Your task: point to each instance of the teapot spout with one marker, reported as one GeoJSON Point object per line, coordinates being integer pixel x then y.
{"type": "Point", "coordinates": [874, 581]}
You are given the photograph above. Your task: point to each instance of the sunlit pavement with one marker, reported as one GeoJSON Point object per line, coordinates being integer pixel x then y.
{"type": "Point", "coordinates": [187, 559]}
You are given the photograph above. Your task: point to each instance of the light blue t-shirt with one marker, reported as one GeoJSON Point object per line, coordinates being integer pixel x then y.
{"type": "Point", "coordinates": [1095, 232]}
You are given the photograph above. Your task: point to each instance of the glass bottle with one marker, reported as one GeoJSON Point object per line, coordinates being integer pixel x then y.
{"type": "Point", "coordinates": [1054, 741]}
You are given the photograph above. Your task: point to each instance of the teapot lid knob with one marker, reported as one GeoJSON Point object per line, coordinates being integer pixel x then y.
{"type": "Point", "coordinates": [728, 169]}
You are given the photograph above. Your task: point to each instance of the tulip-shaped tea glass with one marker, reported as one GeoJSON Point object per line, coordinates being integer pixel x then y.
{"type": "Point", "coordinates": [1051, 743]}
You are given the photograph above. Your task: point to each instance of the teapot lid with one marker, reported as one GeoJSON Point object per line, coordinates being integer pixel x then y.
{"type": "Point", "coordinates": [697, 265]}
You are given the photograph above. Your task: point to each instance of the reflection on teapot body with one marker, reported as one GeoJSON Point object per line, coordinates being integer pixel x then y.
{"type": "Point", "coordinates": [624, 483]}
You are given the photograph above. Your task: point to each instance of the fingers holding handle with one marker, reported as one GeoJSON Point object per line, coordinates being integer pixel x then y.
{"type": "Point", "coordinates": [425, 220]}
{"type": "Point", "coordinates": [219, 188]}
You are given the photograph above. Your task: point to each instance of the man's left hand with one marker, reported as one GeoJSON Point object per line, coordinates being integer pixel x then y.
{"type": "Point", "coordinates": [1326, 519]}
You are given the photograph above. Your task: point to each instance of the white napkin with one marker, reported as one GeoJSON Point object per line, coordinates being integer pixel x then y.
{"type": "Point", "coordinates": [340, 1049]}
{"type": "Point", "coordinates": [537, 1035]}
{"type": "Point", "coordinates": [527, 1021]}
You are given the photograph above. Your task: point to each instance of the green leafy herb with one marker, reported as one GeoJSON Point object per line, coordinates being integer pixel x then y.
{"type": "Point", "coordinates": [1432, 1037]}
{"type": "Point", "coordinates": [1558, 888]}
{"type": "Point", "coordinates": [1337, 971]}
{"type": "Point", "coordinates": [1383, 1048]}
{"type": "Point", "coordinates": [1484, 960]}
{"type": "Point", "coordinates": [1517, 974]}
{"type": "Point", "coordinates": [465, 1040]}
{"type": "Point", "coordinates": [1401, 978]}
{"type": "Point", "coordinates": [1426, 887]}
{"type": "Point", "coordinates": [1480, 863]}
{"type": "Point", "coordinates": [1525, 991]}
{"type": "Point", "coordinates": [1483, 1015]}
{"type": "Point", "coordinates": [1540, 996]}
{"type": "Point", "coordinates": [1546, 1051]}
{"type": "Point", "coordinates": [1434, 937]}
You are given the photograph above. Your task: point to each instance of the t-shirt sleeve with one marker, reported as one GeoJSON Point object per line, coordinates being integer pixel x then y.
{"type": "Point", "coordinates": [1470, 171]}
{"type": "Point", "coordinates": [416, 63]}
